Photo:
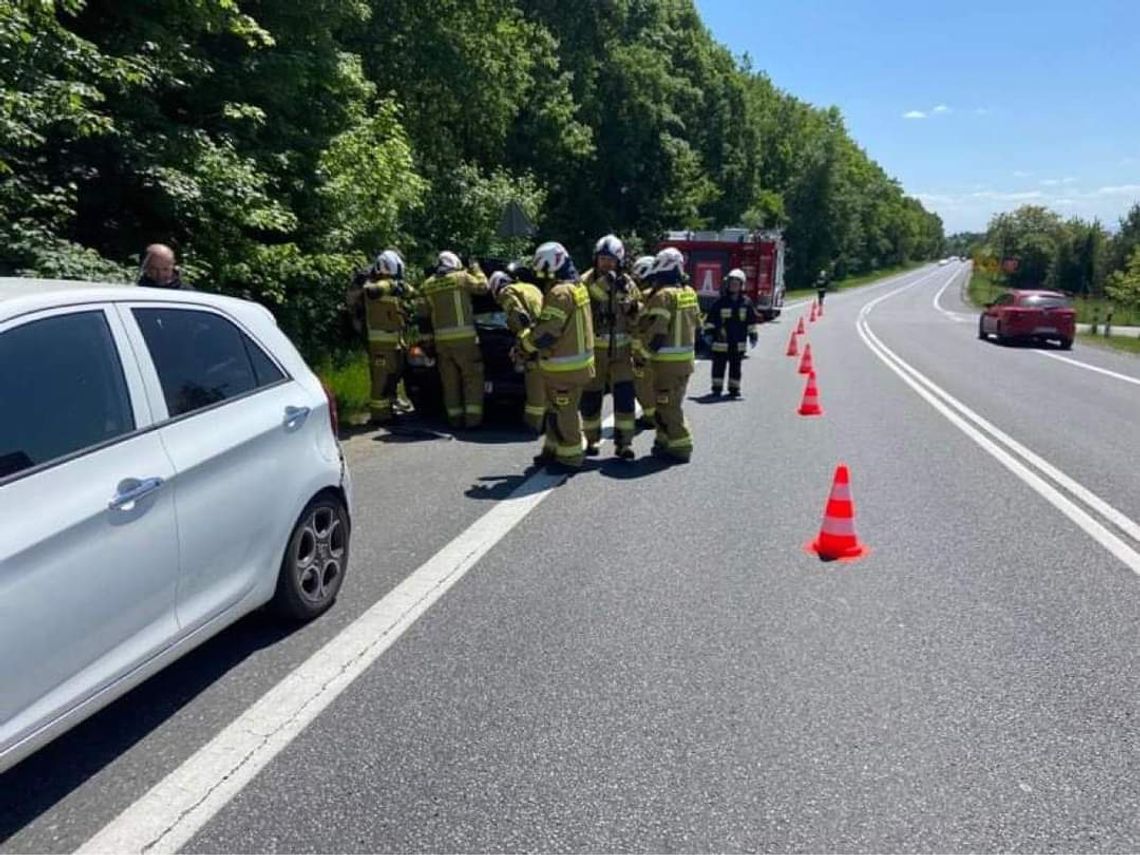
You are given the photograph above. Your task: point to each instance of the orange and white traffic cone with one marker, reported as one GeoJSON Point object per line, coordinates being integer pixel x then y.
{"type": "Point", "coordinates": [837, 540]}
{"type": "Point", "coordinates": [812, 317]}
{"type": "Point", "coordinates": [800, 326]}
{"type": "Point", "coordinates": [809, 406]}
{"type": "Point", "coordinates": [806, 366]}
{"type": "Point", "coordinates": [793, 346]}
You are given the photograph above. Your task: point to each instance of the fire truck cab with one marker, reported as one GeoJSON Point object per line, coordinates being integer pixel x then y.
{"type": "Point", "coordinates": [710, 255]}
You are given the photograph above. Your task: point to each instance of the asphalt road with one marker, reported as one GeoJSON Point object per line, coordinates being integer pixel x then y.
{"type": "Point", "coordinates": [649, 661]}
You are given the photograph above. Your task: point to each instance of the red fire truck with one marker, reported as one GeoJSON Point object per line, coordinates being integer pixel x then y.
{"type": "Point", "coordinates": [710, 255]}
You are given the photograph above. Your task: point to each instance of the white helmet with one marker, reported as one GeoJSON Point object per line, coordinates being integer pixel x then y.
{"type": "Point", "coordinates": [612, 246]}
{"type": "Point", "coordinates": [448, 262]}
{"type": "Point", "coordinates": [549, 258]}
{"type": "Point", "coordinates": [735, 273]}
{"type": "Point", "coordinates": [643, 266]}
{"type": "Point", "coordinates": [389, 263]}
{"type": "Point", "coordinates": [499, 280]}
{"type": "Point", "coordinates": [668, 260]}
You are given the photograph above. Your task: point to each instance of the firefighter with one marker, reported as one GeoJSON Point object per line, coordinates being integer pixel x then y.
{"type": "Point", "coordinates": [522, 302]}
{"type": "Point", "coordinates": [380, 293]}
{"type": "Point", "coordinates": [643, 368]}
{"type": "Point", "coordinates": [446, 299]}
{"type": "Point", "coordinates": [614, 303]}
{"type": "Point", "coordinates": [563, 340]}
{"type": "Point", "coordinates": [821, 285]}
{"type": "Point", "coordinates": [731, 320]}
{"type": "Point", "coordinates": [673, 319]}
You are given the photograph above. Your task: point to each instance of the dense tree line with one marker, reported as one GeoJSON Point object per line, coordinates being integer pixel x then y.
{"type": "Point", "coordinates": [1074, 255]}
{"type": "Point", "coordinates": [278, 144]}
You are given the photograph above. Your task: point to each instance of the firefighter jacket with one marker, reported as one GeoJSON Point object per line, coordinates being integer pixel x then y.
{"type": "Point", "coordinates": [384, 312]}
{"type": "Point", "coordinates": [523, 304]}
{"type": "Point", "coordinates": [730, 322]}
{"type": "Point", "coordinates": [563, 338]}
{"type": "Point", "coordinates": [614, 306]}
{"type": "Point", "coordinates": [446, 305]}
{"type": "Point", "coordinates": [672, 320]}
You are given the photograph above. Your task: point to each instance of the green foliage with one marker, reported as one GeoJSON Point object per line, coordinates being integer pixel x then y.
{"type": "Point", "coordinates": [1124, 285]}
{"type": "Point", "coordinates": [277, 146]}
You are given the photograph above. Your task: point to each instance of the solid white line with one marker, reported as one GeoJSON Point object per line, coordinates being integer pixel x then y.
{"type": "Point", "coordinates": [959, 317]}
{"type": "Point", "coordinates": [172, 812]}
{"type": "Point", "coordinates": [1125, 377]}
{"type": "Point", "coordinates": [942, 401]}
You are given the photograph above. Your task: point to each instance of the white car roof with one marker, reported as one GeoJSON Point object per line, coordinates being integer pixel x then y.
{"type": "Point", "coordinates": [20, 295]}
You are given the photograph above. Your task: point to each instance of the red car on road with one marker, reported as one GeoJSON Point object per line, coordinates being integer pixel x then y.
{"type": "Point", "coordinates": [1030, 316]}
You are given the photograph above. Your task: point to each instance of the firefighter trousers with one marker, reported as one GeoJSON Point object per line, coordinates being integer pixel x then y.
{"type": "Point", "coordinates": [643, 389]}
{"type": "Point", "coordinates": [670, 383]}
{"type": "Point", "coordinates": [733, 360]}
{"type": "Point", "coordinates": [461, 376]}
{"type": "Point", "coordinates": [534, 412]}
{"type": "Point", "coordinates": [563, 442]}
{"type": "Point", "coordinates": [614, 375]}
{"type": "Point", "coordinates": [386, 366]}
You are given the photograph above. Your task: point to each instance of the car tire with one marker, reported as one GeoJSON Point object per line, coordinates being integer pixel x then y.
{"type": "Point", "coordinates": [1066, 344]}
{"type": "Point", "coordinates": [981, 328]}
{"type": "Point", "coordinates": [316, 558]}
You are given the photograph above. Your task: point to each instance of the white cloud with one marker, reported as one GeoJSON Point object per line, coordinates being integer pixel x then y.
{"type": "Point", "coordinates": [1127, 161]}
{"type": "Point", "coordinates": [914, 114]}
{"type": "Point", "coordinates": [1021, 173]}
{"type": "Point", "coordinates": [1119, 190]}
{"type": "Point", "coordinates": [1017, 196]}
{"type": "Point", "coordinates": [941, 108]}
{"type": "Point", "coordinates": [982, 111]}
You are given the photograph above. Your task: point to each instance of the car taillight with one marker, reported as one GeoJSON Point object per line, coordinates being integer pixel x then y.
{"type": "Point", "coordinates": [334, 416]}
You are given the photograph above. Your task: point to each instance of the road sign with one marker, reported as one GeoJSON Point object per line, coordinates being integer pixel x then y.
{"type": "Point", "coordinates": [515, 222]}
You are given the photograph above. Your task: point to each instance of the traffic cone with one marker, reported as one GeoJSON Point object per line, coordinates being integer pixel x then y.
{"type": "Point", "coordinates": [809, 406]}
{"type": "Point", "coordinates": [800, 327]}
{"type": "Point", "coordinates": [837, 539]}
{"type": "Point", "coordinates": [806, 366]}
{"type": "Point", "coordinates": [813, 315]}
{"type": "Point", "coordinates": [793, 346]}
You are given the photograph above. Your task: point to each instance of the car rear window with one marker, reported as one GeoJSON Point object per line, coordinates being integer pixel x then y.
{"type": "Point", "coordinates": [1045, 301]}
{"type": "Point", "coordinates": [202, 359]}
{"type": "Point", "coordinates": [63, 390]}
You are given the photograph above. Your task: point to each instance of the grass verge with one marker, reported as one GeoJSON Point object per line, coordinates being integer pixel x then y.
{"type": "Point", "coordinates": [348, 379]}
{"type": "Point", "coordinates": [1128, 344]}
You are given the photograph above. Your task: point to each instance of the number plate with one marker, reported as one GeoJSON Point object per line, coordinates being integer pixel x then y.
{"type": "Point", "coordinates": [1044, 330]}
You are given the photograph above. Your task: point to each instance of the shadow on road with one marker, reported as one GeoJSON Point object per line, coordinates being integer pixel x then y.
{"type": "Point", "coordinates": [60, 767]}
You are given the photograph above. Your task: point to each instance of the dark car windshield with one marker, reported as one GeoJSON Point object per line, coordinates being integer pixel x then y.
{"type": "Point", "coordinates": [1045, 301]}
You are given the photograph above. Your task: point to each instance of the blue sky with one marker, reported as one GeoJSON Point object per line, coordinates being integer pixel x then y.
{"type": "Point", "coordinates": [1010, 102]}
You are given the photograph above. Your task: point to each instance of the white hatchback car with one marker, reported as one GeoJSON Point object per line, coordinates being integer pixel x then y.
{"type": "Point", "coordinates": [168, 463]}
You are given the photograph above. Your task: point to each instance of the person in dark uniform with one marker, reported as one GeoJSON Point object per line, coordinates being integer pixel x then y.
{"type": "Point", "coordinates": [821, 286]}
{"type": "Point", "coordinates": [732, 324]}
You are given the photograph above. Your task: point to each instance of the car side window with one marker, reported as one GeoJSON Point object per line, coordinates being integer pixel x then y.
{"type": "Point", "coordinates": [1004, 300]}
{"type": "Point", "coordinates": [62, 388]}
{"type": "Point", "coordinates": [202, 358]}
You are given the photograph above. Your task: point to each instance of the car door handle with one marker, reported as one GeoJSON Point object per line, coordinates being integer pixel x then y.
{"type": "Point", "coordinates": [131, 490]}
{"type": "Point", "coordinates": [295, 416]}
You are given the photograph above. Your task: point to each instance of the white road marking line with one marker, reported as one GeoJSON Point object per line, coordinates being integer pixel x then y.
{"type": "Point", "coordinates": [945, 404]}
{"type": "Point", "coordinates": [959, 317]}
{"type": "Point", "coordinates": [1125, 377]}
{"type": "Point", "coordinates": [177, 807]}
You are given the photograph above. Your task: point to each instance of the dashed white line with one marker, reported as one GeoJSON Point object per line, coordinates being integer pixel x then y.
{"type": "Point", "coordinates": [172, 812]}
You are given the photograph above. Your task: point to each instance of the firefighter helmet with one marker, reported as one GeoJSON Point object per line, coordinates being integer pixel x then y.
{"type": "Point", "coordinates": [669, 260]}
{"type": "Point", "coordinates": [500, 279]}
{"type": "Point", "coordinates": [448, 262]}
{"type": "Point", "coordinates": [643, 266]}
{"type": "Point", "coordinates": [389, 263]}
{"type": "Point", "coordinates": [551, 261]}
{"type": "Point", "coordinates": [611, 246]}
